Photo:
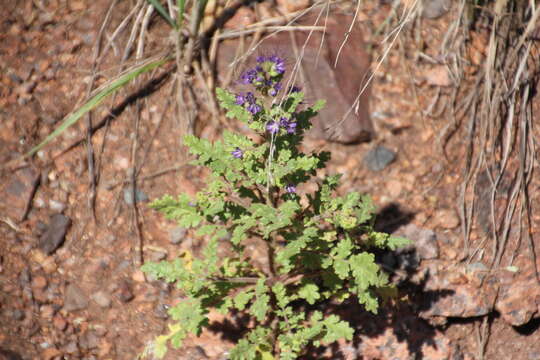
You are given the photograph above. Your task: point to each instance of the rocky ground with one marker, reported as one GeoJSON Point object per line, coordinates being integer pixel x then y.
{"type": "Point", "coordinates": [70, 282]}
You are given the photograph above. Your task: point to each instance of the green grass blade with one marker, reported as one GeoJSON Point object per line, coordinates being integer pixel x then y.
{"type": "Point", "coordinates": [181, 4]}
{"type": "Point", "coordinates": [157, 5]}
{"type": "Point", "coordinates": [98, 99]}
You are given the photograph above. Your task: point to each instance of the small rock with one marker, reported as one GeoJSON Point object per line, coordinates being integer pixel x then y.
{"type": "Point", "coordinates": [195, 353]}
{"type": "Point", "coordinates": [89, 341]}
{"type": "Point", "coordinates": [100, 330]}
{"type": "Point", "coordinates": [18, 190]}
{"type": "Point", "coordinates": [447, 219]}
{"type": "Point", "coordinates": [57, 206]}
{"type": "Point", "coordinates": [140, 196]}
{"type": "Point", "coordinates": [125, 294]}
{"type": "Point", "coordinates": [47, 311]}
{"type": "Point", "coordinates": [39, 283]}
{"type": "Point", "coordinates": [138, 276]}
{"type": "Point", "coordinates": [177, 234]}
{"type": "Point", "coordinates": [379, 158]}
{"type": "Point", "coordinates": [59, 322]}
{"type": "Point", "coordinates": [438, 76]}
{"type": "Point", "coordinates": [424, 241]}
{"type": "Point", "coordinates": [102, 299]}
{"type": "Point", "coordinates": [74, 298]}
{"type": "Point", "coordinates": [50, 353]}
{"type": "Point", "coordinates": [17, 315]}
{"type": "Point", "coordinates": [53, 238]}
{"type": "Point", "coordinates": [156, 256]}
{"type": "Point", "coordinates": [394, 188]}
{"type": "Point", "coordinates": [289, 6]}
{"type": "Point", "coordinates": [433, 9]}
{"type": "Point", "coordinates": [71, 348]}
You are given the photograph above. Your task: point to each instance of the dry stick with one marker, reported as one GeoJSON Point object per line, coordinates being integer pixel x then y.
{"type": "Point", "coordinates": [133, 185]}
{"type": "Point", "coordinates": [121, 27]}
{"type": "Point", "coordinates": [149, 176]}
{"type": "Point", "coordinates": [92, 176]}
{"type": "Point", "coordinates": [196, 16]}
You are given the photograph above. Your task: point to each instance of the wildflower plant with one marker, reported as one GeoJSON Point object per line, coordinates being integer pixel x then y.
{"type": "Point", "coordinates": [316, 245]}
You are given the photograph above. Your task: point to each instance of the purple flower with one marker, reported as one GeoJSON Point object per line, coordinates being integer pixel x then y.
{"type": "Point", "coordinates": [294, 89]}
{"type": "Point", "coordinates": [279, 63]}
{"type": "Point", "coordinates": [291, 127]}
{"type": "Point", "coordinates": [253, 108]}
{"type": "Point", "coordinates": [290, 188]}
{"type": "Point", "coordinates": [272, 127]}
{"type": "Point", "coordinates": [261, 59]}
{"type": "Point", "coordinates": [248, 77]}
{"type": "Point", "coordinates": [250, 98]}
{"type": "Point", "coordinates": [240, 99]}
{"type": "Point", "coordinates": [272, 92]}
{"type": "Point", "coordinates": [237, 153]}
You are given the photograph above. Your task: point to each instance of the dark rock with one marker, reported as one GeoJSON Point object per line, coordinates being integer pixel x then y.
{"type": "Point", "coordinates": [379, 158]}
{"type": "Point", "coordinates": [424, 241]}
{"type": "Point", "coordinates": [53, 238]}
{"type": "Point", "coordinates": [17, 315]}
{"type": "Point", "coordinates": [433, 9]}
{"type": "Point", "coordinates": [140, 196]}
{"type": "Point", "coordinates": [124, 292]}
{"type": "Point", "coordinates": [17, 192]}
{"type": "Point", "coordinates": [74, 298]}
{"type": "Point", "coordinates": [456, 292]}
{"type": "Point", "coordinates": [6, 354]}
{"type": "Point", "coordinates": [194, 353]}
{"type": "Point", "coordinates": [519, 295]}
{"type": "Point", "coordinates": [339, 85]}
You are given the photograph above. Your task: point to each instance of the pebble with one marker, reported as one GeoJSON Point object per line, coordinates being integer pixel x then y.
{"type": "Point", "coordinates": [394, 188]}
{"type": "Point", "coordinates": [379, 158]}
{"type": "Point", "coordinates": [177, 234]}
{"type": "Point", "coordinates": [57, 206]}
{"type": "Point", "coordinates": [71, 348]}
{"type": "Point", "coordinates": [424, 241]}
{"type": "Point", "coordinates": [138, 276]}
{"type": "Point", "coordinates": [53, 238]}
{"type": "Point", "coordinates": [447, 219]}
{"type": "Point", "coordinates": [125, 294]}
{"type": "Point", "coordinates": [47, 311]}
{"type": "Point", "coordinates": [74, 298]}
{"type": "Point", "coordinates": [156, 256]}
{"type": "Point", "coordinates": [50, 353]}
{"type": "Point", "coordinates": [102, 299]}
{"type": "Point", "coordinates": [39, 283]}
{"type": "Point", "coordinates": [140, 196]}
{"type": "Point", "coordinates": [17, 315]}
{"type": "Point", "coordinates": [59, 322]}
{"type": "Point", "coordinates": [434, 9]}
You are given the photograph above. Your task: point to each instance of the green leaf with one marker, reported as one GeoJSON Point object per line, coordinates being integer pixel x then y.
{"type": "Point", "coordinates": [260, 306]}
{"type": "Point", "coordinates": [364, 270]}
{"type": "Point", "coordinates": [242, 299]}
{"type": "Point", "coordinates": [336, 329]}
{"type": "Point", "coordinates": [163, 12]}
{"type": "Point", "coordinates": [310, 292]}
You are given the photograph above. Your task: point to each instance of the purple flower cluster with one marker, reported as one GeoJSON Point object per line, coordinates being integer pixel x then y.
{"type": "Point", "coordinates": [237, 153]}
{"type": "Point", "coordinates": [290, 188]}
{"type": "Point", "coordinates": [249, 101]}
{"type": "Point", "coordinates": [273, 127]}
{"type": "Point", "coordinates": [266, 75]}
